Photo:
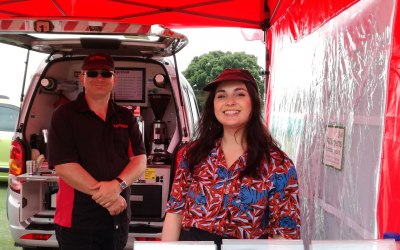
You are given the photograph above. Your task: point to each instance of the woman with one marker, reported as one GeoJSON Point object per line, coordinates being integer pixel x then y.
{"type": "Point", "coordinates": [233, 181]}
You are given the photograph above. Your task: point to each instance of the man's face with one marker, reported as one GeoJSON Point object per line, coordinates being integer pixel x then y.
{"type": "Point", "coordinates": [98, 83]}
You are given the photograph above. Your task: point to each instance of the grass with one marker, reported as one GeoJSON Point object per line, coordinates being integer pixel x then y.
{"type": "Point", "coordinates": [6, 241]}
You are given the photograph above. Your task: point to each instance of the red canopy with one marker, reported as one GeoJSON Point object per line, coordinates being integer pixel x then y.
{"type": "Point", "coordinates": [178, 14]}
{"type": "Point", "coordinates": [171, 13]}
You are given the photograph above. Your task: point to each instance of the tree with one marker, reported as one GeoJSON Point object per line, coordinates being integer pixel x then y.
{"type": "Point", "coordinates": [203, 69]}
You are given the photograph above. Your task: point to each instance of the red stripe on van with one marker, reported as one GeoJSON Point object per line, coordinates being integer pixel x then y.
{"type": "Point", "coordinates": [64, 203]}
{"type": "Point", "coordinates": [70, 26]}
{"type": "Point", "coordinates": [122, 27]}
{"type": "Point", "coordinates": [5, 24]}
{"type": "Point", "coordinates": [144, 29]}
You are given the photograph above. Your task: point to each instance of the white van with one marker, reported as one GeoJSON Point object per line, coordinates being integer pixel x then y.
{"type": "Point", "coordinates": [148, 83]}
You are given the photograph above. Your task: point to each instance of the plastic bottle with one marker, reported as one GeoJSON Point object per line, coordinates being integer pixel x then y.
{"type": "Point", "coordinates": [139, 119]}
{"type": "Point", "coordinates": [395, 236]}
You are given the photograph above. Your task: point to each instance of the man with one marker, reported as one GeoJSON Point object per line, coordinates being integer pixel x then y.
{"type": "Point", "coordinates": [97, 151]}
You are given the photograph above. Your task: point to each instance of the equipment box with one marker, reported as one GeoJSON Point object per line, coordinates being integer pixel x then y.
{"type": "Point", "coordinates": [38, 197]}
{"type": "Point", "coordinates": [149, 195]}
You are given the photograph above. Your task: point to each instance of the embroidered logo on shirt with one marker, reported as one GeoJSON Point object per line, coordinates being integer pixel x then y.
{"type": "Point", "coordinates": [119, 125]}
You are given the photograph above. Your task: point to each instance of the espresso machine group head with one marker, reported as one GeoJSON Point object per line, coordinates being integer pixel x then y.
{"type": "Point", "coordinates": [158, 138]}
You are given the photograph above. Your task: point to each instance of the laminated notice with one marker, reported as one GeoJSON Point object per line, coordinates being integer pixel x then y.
{"type": "Point", "coordinates": [150, 174]}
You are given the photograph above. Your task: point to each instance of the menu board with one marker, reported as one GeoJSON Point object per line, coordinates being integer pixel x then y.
{"type": "Point", "coordinates": [130, 85]}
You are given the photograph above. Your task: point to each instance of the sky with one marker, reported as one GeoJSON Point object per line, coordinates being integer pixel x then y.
{"type": "Point", "coordinates": [204, 40]}
{"type": "Point", "coordinates": [201, 41]}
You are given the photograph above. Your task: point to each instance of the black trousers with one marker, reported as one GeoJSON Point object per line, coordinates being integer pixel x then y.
{"type": "Point", "coordinates": [73, 239]}
{"type": "Point", "coordinates": [195, 234]}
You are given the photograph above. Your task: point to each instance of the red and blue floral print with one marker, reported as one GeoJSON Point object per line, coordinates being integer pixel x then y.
{"type": "Point", "coordinates": [215, 199]}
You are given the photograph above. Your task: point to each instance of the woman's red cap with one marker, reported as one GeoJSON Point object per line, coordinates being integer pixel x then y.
{"type": "Point", "coordinates": [232, 75]}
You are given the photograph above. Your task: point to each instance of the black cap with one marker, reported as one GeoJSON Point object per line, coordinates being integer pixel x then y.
{"type": "Point", "coordinates": [98, 61]}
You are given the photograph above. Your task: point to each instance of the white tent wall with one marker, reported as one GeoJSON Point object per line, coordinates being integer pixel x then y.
{"type": "Point", "coordinates": [337, 76]}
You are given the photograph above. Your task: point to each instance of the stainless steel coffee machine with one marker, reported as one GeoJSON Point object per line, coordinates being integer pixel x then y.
{"type": "Point", "coordinates": [158, 137]}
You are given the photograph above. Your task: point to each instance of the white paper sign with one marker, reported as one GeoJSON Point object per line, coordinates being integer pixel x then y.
{"type": "Point", "coordinates": [334, 144]}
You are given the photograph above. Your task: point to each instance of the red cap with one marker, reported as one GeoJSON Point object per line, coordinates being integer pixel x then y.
{"type": "Point", "coordinates": [98, 61]}
{"type": "Point", "coordinates": [232, 75]}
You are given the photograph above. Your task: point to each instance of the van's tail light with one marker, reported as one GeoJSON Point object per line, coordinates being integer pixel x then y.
{"type": "Point", "coordinates": [36, 236]}
{"type": "Point", "coordinates": [16, 164]}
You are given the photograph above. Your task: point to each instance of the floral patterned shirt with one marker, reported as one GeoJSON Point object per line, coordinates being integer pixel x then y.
{"type": "Point", "coordinates": [216, 200]}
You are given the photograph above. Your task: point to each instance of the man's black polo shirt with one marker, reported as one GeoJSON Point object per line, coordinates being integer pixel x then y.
{"type": "Point", "coordinates": [78, 135]}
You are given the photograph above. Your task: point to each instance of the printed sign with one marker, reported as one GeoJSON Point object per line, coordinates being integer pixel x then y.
{"type": "Point", "coordinates": [150, 174]}
{"type": "Point", "coordinates": [334, 144]}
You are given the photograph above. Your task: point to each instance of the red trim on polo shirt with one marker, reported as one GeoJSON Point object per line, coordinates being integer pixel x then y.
{"type": "Point", "coordinates": [65, 199]}
{"type": "Point", "coordinates": [120, 125]}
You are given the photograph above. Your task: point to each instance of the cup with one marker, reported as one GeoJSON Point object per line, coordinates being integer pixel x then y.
{"type": "Point", "coordinates": [31, 167]}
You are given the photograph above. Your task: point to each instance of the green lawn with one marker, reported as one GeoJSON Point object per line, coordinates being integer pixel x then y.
{"type": "Point", "coordinates": [6, 242]}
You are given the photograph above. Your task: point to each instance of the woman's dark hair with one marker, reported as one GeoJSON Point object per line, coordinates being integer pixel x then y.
{"type": "Point", "coordinates": [209, 130]}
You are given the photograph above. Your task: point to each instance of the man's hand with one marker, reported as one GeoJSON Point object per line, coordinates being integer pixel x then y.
{"type": "Point", "coordinates": [107, 193]}
{"type": "Point", "coordinates": [118, 206]}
